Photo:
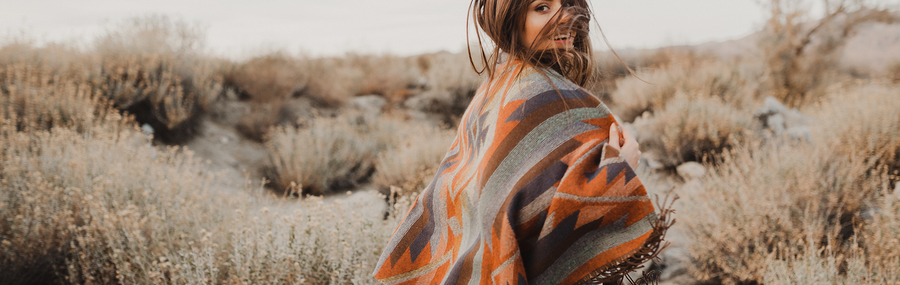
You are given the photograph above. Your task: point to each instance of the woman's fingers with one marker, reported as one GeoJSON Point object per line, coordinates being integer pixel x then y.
{"type": "Point", "coordinates": [614, 135]}
{"type": "Point", "coordinates": [630, 148]}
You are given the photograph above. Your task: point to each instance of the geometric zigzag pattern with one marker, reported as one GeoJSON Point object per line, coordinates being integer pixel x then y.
{"type": "Point", "coordinates": [528, 193]}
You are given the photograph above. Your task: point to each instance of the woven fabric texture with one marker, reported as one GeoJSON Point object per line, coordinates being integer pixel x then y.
{"type": "Point", "coordinates": [528, 193]}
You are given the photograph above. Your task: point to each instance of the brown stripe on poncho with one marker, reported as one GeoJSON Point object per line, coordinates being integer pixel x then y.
{"type": "Point", "coordinates": [529, 193]}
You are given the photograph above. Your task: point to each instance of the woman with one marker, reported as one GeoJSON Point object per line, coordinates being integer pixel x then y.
{"type": "Point", "coordinates": [536, 188]}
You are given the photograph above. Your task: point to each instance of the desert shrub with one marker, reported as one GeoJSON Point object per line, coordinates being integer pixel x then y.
{"type": "Point", "coordinates": [450, 86]}
{"type": "Point", "coordinates": [882, 236]}
{"type": "Point", "coordinates": [791, 207]}
{"type": "Point", "coordinates": [448, 71]}
{"type": "Point", "coordinates": [800, 54]}
{"type": "Point", "coordinates": [258, 121]}
{"type": "Point", "coordinates": [269, 82]}
{"type": "Point", "coordinates": [34, 98]}
{"type": "Point", "coordinates": [813, 267]}
{"type": "Point", "coordinates": [330, 84]}
{"type": "Point", "coordinates": [151, 88]}
{"type": "Point", "coordinates": [610, 69]}
{"type": "Point", "coordinates": [701, 77]}
{"type": "Point", "coordinates": [768, 203]}
{"type": "Point", "coordinates": [321, 155]}
{"type": "Point", "coordinates": [867, 118]}
{"type": "Point", "coordinates": [385, 75]}
{"type": "Point", "coordinates": [689, 128]}
{"type": "Point", "coordinates": [269, 78]}
{"type": "Point", "coordinates": [75, 211]}
{"type": "Point", "coordinates": [153, 67]}
{"type": "Point", "coordinates": [412, 158]}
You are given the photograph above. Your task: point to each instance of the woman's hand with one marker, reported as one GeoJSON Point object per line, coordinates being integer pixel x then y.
{"type": "Point", "coordinates": [629, 148]}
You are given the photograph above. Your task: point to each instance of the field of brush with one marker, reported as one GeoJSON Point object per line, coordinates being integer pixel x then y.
{"type": "Point", "coordinates": [142, 159]}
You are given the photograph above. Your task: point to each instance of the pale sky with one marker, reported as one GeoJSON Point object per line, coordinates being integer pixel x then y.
{"type": "Point", "coordinates": [405, 27]}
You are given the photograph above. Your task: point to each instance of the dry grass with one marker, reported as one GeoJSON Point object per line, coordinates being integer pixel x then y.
{"type": "Point", "coordinates": [449, 86]}
{"type": "Point", "coordinates": [801, 55]}
{"type": "Point", "coordinates": [103, 206]}
{"type": "Point", "coordinates": [153, 89]}
{"type": "Point", "coordinates": [258, 122]}
{"type": "Point", "coordinates": [151, 67]}
{"type": "Point", "coordinates": [81, 213]}
{"type": "Point", "coordinates": [817, 267]}
{"type": "Point", "coordinates": [332, 153]}
{"type": "Point", "coordinates": [687, 74]}
{"type": "Point", "coordinates": [609, 68]}
{"type": "Point", "coordinates": [388, 76]}
{"type": "Point", "coordinates": [322, 155]}
{"type": "Point", "coordinates": [86, 198]}
{"type": "Point", "coordinates": [270, 78]}
{"type": "Point", "coordinates": [690, 128]}
{"type": "Point", "coordinates": [866, 118]}
{"type": "Point", "coordinates": [882, 236]}
{"type": "Point", "coordinates": [412, 159]}
{"type": "Point", "coordinates": [34, 99]}
{"type": "Point", "coordinates": [794, 207]}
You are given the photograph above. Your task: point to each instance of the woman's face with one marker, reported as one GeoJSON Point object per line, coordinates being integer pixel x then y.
{"type": "Point", "coordinates": [540, 13]}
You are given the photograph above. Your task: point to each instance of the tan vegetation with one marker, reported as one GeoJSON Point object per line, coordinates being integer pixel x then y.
{"type": "Point", "coordinates": [802, 54]}
{"type": "Point", "coordinates": [87, 198]}
{"type": "Point", "coordinates": [691, 128]}
{"type": "Point", "coordinates": [326, 152]}
{"type": "Point", "coordinates": [782, 207]}
{"type": "Point", "coordinates": [412, 159]}
{"type": "Point", "coordinates": [685, 73]}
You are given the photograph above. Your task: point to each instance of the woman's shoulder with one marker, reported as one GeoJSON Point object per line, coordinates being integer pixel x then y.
{"type": "Point", "coordinates": [534, 83]}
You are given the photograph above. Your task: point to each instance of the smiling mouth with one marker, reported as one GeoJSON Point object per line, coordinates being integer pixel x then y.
{"type": "Point", "coordinates": [563, 37]}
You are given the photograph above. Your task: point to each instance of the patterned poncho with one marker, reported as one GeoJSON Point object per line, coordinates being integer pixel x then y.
{"type": "Point", "coordinates": [529, 193]}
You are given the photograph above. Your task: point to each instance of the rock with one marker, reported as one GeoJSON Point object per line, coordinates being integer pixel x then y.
{"type": "Point", "coordinates": [691, 170]}
{"type": "Point", "coordinates": [783, 121]}
{"type": "Point", "coordinates": [803, 133]}
{"type": "Point", "coordinates": [772, 105]}
{"type": "Point", "coordinates": [368, 103]}
{"type": "Point", "coordinates": [297, 109]}
{"type": "Point", "coordinates": [147, 129]}
{"type": "Point", "coordinates": [776, 123]}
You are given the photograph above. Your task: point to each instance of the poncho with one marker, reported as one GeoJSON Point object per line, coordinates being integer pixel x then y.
{"type": "Point", "coordinates": [528, 193]}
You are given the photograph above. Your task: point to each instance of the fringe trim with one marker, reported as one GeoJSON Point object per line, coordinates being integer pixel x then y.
{"type": "Point", "coordinates": [615, 272]}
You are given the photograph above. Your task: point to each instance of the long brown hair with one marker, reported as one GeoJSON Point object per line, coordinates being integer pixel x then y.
{"type": "Point", "coordinates": [503, 22]}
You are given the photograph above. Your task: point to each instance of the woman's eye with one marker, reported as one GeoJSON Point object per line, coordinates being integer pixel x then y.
{"type": "Point", "coordinates": [542, 8]}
